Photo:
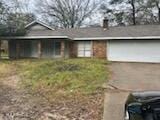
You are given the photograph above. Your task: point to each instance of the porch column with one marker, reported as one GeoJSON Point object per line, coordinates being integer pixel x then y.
{"type": "Point", "coordinates": [0, 48]}
{"type": "Point", "coordinates": [17, 49]}
{"type": "Point", "coordinates": [62, 48]}
{"type": "Point", "coordinates": [39, 49]}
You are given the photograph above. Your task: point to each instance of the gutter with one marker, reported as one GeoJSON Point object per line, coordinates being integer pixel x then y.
{"type": "Point", "coordinates": [118, 38]}
{"type": "Point", "coordinates": [78, 39]}
{"type": "Point", "coordinates": [36, 37]}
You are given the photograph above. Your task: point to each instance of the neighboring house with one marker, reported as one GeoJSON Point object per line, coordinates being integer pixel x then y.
{"type": "Point", "coordinates": [132, 43]}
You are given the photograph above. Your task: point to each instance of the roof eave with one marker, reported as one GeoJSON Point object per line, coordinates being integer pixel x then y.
{"type": "Point", "coordinates": [78, 39]}
{"type": "Point", "coordinates": [35, 37]}
{"type": "Point", "coordinates": [119, 38]}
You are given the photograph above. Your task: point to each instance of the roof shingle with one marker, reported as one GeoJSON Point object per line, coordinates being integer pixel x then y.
{"type": "Point", "coordinates": [128, 31]}
{"type": "Point", "coordinates": [97, 32]}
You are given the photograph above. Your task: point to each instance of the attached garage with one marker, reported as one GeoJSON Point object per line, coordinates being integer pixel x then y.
{"type": "Point", "coordinates": [134, 50]}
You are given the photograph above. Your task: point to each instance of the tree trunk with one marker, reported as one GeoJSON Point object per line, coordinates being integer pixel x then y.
{"type": "Point", "coordinates": [133, 12]}
{"type": "Point", "coordinates": [158, 8]}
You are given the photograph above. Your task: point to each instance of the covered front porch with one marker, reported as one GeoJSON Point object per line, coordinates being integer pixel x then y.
{"type": "Point", "coordinates": [39, 48]}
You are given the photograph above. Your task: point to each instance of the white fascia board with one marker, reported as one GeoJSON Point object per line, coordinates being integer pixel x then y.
{"type": "Point", "coordinates": [117, 38]}
{"type": "Point", "coordinates": [95, 38]}
{"type": "Point", "coordinates": [28, 25]}
{"type": "Point", "coordinates": [39, 22]}
{"type": "Point", "coordinates": [37, 37]}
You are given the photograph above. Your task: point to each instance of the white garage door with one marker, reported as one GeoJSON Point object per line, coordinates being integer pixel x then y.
{"type": "Point", "coordinates": [134, 51]}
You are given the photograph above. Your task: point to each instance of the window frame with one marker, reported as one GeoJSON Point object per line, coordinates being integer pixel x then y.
{"type": "Point", "coordinates": [84, 47]}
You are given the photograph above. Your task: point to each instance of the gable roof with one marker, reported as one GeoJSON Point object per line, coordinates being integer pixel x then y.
{"type": "Point", "coordinates": [97, 33]}
{"type": "Point", "coordinates": [38, 22]}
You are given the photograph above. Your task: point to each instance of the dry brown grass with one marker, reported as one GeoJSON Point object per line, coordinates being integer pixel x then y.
{"type": "Point", "coordinates": [6, 69]}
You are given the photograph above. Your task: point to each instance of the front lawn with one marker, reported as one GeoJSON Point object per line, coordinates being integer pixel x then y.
{"type": "Point", "coordinates": [82, 76]}
{"type": "Point", "coordinates": [74, 85]}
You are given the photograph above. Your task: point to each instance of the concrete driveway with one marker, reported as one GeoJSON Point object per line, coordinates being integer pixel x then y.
{"type": "Point", "coordinates": [127, 77]}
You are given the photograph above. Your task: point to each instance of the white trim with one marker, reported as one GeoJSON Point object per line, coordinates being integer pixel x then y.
{"type": "Point", "coordinates": [36, 37]}
{"type": "Point", "coordinates": [117, 38]}
{"type": "Point", "coordinates": [39, 22]}
{"type": "Point", "coordinates": [78, 39]}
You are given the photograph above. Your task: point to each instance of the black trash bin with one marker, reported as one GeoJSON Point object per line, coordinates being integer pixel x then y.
{"type": "Point", "coordinates": [143, 106]}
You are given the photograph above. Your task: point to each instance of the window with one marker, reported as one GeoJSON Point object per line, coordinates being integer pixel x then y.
{"type": "Point", "coordinates": [84, 49]}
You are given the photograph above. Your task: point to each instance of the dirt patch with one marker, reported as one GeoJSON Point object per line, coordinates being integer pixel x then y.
{"type": "Point", "coordinates": [11, 81]}
{"type": "Point", "coordinates": [90, 109]}
{"type": "Point", "coordinates": [21, 105]}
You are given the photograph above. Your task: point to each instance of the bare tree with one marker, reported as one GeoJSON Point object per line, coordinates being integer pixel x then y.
{"type": "Point", "coordinates": [22, 6]}
{"type": "Point", "coordinates": [154, 4]}
{"type": "Point", "coordinates": [129, 2]}
{"type": "Point", "coordinates": [4, 10]}
{"type": "Point", "coordinates": [131, 11]}
{"type": "Point", "coordinates": [13, 19]}
{"type": "Point", "coordinates": [68, 13]}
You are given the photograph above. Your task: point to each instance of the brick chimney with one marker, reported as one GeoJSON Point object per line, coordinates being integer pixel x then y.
{"type": "Point", "coordinates": [105, 23]}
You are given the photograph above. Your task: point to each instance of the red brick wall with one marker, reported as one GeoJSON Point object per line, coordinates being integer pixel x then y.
{"type": "Point", "coordinates": [73, 49]}
{"type": "Point", "coordinates": [99, 49]}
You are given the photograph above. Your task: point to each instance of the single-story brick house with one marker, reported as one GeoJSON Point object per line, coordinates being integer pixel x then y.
{"type": "Point", "coordinates": [139, 43]}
